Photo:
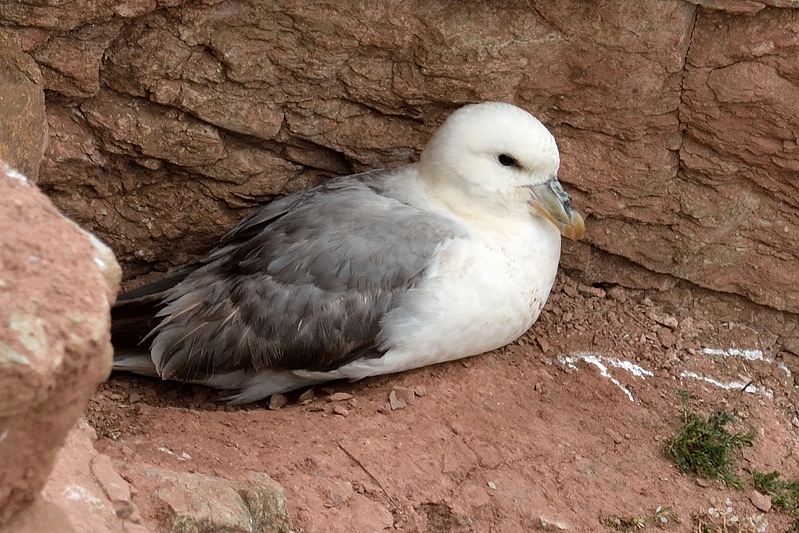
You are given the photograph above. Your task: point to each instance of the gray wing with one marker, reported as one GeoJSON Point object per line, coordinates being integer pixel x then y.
{"type": "Point", "coordinates": [301, 284]}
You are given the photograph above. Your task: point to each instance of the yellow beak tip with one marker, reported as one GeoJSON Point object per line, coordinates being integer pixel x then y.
{"type": "Point", "coordinates": [575, 229]}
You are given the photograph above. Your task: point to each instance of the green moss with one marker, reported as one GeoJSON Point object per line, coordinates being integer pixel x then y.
{"type": "Point", "coordinates": [705, 446]}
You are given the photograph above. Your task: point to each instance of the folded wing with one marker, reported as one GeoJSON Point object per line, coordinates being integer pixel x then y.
{"type": "Point", "coordinates": [300, 284]}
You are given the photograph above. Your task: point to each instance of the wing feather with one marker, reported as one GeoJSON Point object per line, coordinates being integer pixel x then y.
{"type": "Point", "coordinates": [300, 284]}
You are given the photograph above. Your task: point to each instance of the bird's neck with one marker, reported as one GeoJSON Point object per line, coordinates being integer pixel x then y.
{"type": "Point", "coordinates": [472, 211]}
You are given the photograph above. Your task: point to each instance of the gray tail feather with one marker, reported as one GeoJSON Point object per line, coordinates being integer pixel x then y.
{"type": "Point", "coordinates": [138, 363]}
{"type": "Point", "coordinates": [130, 323]}
{"type": "Point", "coordinates": [134, 314]}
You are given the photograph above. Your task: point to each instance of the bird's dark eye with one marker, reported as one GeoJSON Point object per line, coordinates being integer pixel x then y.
{"type": "Point", "coordinates": [507, 161]}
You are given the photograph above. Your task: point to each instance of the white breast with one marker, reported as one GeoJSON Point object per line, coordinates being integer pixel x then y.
{"type": "Point", "coordinates": [484, 293]}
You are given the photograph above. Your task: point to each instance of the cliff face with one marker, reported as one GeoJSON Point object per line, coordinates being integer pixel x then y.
{"type": "Point", "coordinates": [677, 122]}
{"type": "Point", "coordinates": [163, 121]}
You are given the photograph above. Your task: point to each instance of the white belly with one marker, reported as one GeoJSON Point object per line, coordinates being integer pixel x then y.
{"type": "Point", "coordinates": [484, 293]}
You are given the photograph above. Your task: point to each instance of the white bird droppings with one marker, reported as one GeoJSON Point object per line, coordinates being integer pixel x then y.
{"type": "Point", "coordinates": [729, 385]}
{"type": "Point", "coordinates": [182, 457]}
{"type": "Point", "coordinates": [11, 173]}
{"type": "Point", "coordinates": [77, 493]}
{"type": "Point", "coordinates": [599, 361]}
{"type": "Point", "coordinates": [749, 355]}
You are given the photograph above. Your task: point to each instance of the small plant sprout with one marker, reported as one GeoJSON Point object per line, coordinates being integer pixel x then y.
{"type": "Point", "coordinates": [784, 495]}
{"type": "Point", "coordinates": [705, 446]}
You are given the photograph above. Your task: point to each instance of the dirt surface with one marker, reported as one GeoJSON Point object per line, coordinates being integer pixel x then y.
{"type": "Point", "coordinates": [535, 435]}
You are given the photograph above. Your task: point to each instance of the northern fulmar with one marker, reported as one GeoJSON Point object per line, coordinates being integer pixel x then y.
{"type": "Point", "coordinates": [367, 274]}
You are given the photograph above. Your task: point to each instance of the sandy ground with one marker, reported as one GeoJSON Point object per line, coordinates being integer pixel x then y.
{"type": "Point", "coordinates": [560, 430]}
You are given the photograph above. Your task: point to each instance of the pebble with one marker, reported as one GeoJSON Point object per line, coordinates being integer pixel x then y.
{"type": "Point", "coordinates": [617, 293]}
{"type": "Point", "coordinates": [277, 401]}
{"type": "Point", "coordinates": [339, 397]}
{"type": "Point", "coordinates": [687, 326]}
{"type": "Point", "coordinates": [395, 403]}
{"type": "Point", "coordinates": [595, 292]}
{"type": "Point", "coordinates": [617, 438]}
{"type": "Point", "coordinates": [761, 501]}
{"type": "Point", "coordinates": [543, 344]}
{"type": "Point", "coordinates": [669, 322]}
{"type": "Point", "coordinates": [455, 427]}
{"type": "Point", "coordinates": [666, 337]}
{"type": "Point", "coordinates": [546, 524]}
{"type": "Point", "coordinates": [690, 345]}
{"type": "Point", "coordinates": [420, 391]}
{"type": "Point", "coordinates": [703, 482]}
{"type": "Point", "coordinates": [405, 395]}
{"type": "Point", "coordinates": [340, 410]}
{"type": "Point", "coordinates": [306, 397]}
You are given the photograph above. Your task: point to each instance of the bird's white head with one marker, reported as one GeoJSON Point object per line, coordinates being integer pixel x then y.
{"type": "Point", "coordinates": [497, 160]}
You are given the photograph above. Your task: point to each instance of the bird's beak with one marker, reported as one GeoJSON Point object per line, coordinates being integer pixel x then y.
{"type": "Point", "coordinates": [554, 203]}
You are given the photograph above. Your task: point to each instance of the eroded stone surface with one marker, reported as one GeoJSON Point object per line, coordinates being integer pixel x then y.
{"type": "Point", "coordinates": [84, 484]}
{"type": "Point", "coordinates": [22, 111]}
{"type": "Point", "coordinates": [56, 286]}
{"type": "Point", "coordinates": [197, 503]}
{"type": "Point", "coordinates": [560, 444]}
{"type": "Point", "coordinates": [740, 157]}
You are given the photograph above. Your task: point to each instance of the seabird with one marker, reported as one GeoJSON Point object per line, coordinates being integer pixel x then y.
{"type": "Point", "coordinates": [367, 274]}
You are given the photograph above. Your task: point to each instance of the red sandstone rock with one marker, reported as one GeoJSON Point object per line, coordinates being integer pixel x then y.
{"type": "Point", "coordinates": [196, 502]}
{"type": "Point", "coordinates": [56, 286]}
{"type": "Point", "coordinates": [85, 486]}
{"type": "Point", "coordinates": [22, 115]}
{"type": "Point", "coordinates": [740, 155]}
{"type": "Point", "coordinates": [760, 501]}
